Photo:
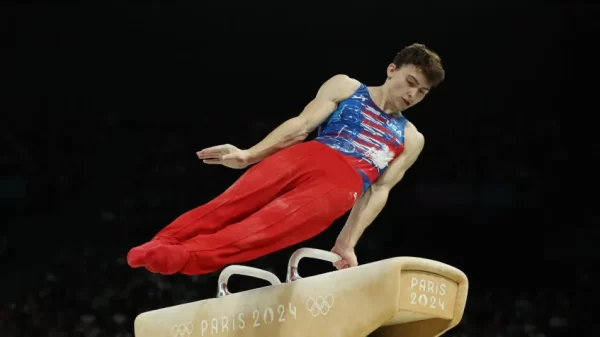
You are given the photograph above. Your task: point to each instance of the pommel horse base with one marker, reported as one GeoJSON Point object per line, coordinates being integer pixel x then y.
{"type": "Point", "coordinates": [402, 296]}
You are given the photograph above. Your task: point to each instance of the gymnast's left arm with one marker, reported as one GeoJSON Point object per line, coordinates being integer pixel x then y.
{"type": "Point", "coordinates": [368, 207]}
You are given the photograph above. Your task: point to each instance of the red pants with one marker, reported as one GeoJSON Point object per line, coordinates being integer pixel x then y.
{"type": "Point", "coordinates": [287, 198]}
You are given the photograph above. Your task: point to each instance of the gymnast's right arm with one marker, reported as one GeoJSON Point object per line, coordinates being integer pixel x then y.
{"type": "Point", "coordinates": [295, 130]}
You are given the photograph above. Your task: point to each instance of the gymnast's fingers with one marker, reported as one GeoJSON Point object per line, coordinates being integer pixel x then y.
{"type": "Point", "coordinates": [216, 149]}
{"type": "Point", "coordinates": [339, 264]}
{"type": "Point", "coordinates": [212, 161]}
{"type": "Point", "coordinates": [343, 266]}
{"type": "Point", "coordinates": [209, 153]}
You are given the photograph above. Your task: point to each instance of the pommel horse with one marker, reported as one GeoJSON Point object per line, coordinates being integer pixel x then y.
{"type": "Point", "coordinates": [402, 296]}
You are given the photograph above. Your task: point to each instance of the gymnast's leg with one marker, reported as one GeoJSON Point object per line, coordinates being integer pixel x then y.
{"type": "Point", "coordinates": [283, 229]}
{"type": "Point", "coordinates": [258, 186]}
{"type": "Point", "coordinates": [291, 218]}
{"type": "Point", "coordinates": [321, 192]}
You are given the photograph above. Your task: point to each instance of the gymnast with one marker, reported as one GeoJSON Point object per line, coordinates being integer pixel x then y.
{"type": "Point", "coordinates": [295, 189]}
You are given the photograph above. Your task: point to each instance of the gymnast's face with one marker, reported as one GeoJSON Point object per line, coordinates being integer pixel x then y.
{"type": "Point", "coordinates": [406, 86]}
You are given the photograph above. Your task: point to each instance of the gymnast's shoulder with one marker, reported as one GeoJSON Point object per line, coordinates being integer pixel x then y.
{"type": "Point", "coordinates": [414, 138]}
{"type": "Point", "coordinates": [339, 86]}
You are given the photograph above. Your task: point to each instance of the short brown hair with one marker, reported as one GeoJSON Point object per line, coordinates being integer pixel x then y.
{"type": "Point", "coordinates": [423, 58]}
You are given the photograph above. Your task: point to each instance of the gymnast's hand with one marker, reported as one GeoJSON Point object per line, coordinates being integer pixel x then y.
{"type": "Point", "coordinates": [348, 257]}
{"type": "Point", "coordinates": [226, 155]}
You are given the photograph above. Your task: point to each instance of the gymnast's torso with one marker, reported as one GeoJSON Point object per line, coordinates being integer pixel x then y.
{"type": "Point", "coordinates": [367, 137]}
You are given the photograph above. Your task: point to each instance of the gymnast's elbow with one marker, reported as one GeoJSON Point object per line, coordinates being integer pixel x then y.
{"type": "Point", "coordinates": [380, 190]}
{"type": "Point", "coordinates": [297, 131]}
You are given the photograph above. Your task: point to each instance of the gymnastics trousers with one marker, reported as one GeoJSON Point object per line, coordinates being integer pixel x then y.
{"type": "Point", "coordinates": [288, 198]}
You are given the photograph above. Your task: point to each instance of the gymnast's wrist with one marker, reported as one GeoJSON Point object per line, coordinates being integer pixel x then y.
{"type": "Point", "coordinates": [253, 156]}
{"type": "Point", "coordinates": [344, 244]}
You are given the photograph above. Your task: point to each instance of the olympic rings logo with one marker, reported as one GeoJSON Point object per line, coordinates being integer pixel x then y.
{"type": "Point", "coordinates": [182, 330]}
{"type": "Point", "coordinates": [320, 306]}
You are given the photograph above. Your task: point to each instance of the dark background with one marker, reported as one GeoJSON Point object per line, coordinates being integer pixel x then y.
{"type": "Point", "coordinates": [104, 107]}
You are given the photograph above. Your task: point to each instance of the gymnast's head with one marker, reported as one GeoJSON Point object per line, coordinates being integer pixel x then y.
{"type": "Point", "coordinates": [415, 70]}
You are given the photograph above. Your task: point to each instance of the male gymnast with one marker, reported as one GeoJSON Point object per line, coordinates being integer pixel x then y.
{"type": "Point", "coordinates": [295, 189]}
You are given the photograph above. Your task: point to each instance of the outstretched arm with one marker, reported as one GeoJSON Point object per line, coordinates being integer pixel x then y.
{"type": "Point", "coordinates": [372, 202]}
{"type": "Point", "coordinates": [296, 129]}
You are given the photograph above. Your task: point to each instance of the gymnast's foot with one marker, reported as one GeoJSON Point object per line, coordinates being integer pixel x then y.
{"type": "Point", "coordinates": [166, 259]}
{"type": "Point", "coordinates": [136, 256]}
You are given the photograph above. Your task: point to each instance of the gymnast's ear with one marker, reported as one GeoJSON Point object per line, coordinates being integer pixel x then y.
{"type": "Point", "coordinates": [391, 70]}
